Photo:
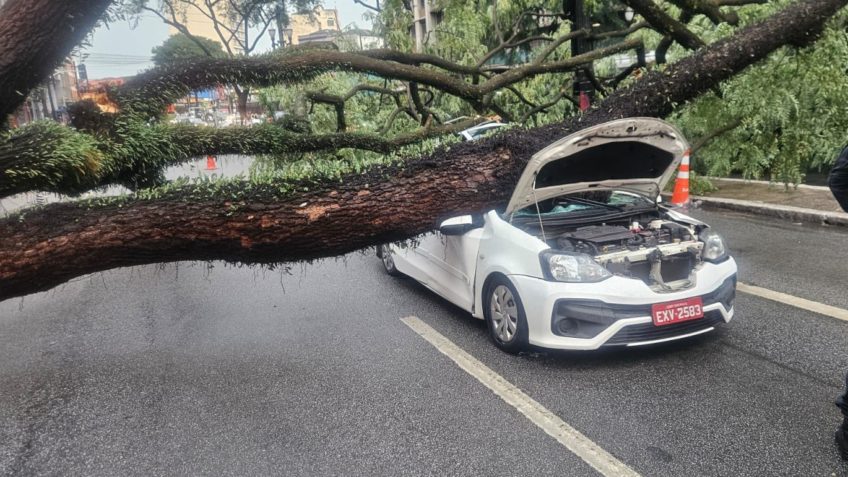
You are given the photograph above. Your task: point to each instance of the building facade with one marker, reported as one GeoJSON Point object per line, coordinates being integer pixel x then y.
{"type": "Point", "coordinates": [51, 99]}
{"type": "Point", "coordinates": [320, 24]}
{"type": "Point", "coordinates": [426, 17]}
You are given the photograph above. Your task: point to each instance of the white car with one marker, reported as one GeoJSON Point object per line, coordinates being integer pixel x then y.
{"type": "Point", "coordinates": [480, 130]}
{"type": "Point", "coordinates": [584, 255]}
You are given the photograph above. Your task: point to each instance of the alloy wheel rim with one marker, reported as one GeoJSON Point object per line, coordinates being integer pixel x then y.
{"type": "Point", "coordinates": [504, 312]}
{"type": "Point", "coordinates": [388, 261]}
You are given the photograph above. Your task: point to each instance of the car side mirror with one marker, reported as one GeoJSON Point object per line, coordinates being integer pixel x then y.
{"type": "Point", "coordinates": [457, 225]}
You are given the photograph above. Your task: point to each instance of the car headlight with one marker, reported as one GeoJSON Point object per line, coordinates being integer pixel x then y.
{"type": "Point", "coordinates": [714, 248]}
{"type": "Point", "coordinates": [572, 267]}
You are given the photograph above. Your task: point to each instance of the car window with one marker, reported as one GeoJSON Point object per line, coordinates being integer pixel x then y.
{"type": "Point", "coordinates": [485, 130]}
{"type": "Point", "coordinates": [599, 200]}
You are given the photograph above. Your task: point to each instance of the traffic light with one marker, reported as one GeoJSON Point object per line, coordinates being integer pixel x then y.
{"type": "Point", "coordinates": [82, 74]}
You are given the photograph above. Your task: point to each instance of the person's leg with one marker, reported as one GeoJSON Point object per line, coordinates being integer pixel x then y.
{"type": "Point", "coordinates": [838, 180]}
{"type": "Point", "coordinates": [840, 192]}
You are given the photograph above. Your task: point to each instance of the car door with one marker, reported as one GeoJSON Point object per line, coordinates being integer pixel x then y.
{"type": "Point", "coordinates": [445, 263]}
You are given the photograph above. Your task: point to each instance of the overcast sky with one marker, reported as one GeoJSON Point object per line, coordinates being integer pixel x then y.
{"type": "Point", "coordinates": [121, 50]}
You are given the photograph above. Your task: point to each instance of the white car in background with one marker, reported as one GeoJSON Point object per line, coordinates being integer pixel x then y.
{"type": "Point", "coordinates": [583, 256]}
{"type": "Point", "coordinates": [480, 130]}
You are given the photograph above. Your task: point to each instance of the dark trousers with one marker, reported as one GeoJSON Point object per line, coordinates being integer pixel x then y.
{"type": "Point", "coordinates": [842, 404]}
{"type": "Point", "coordinates": [838, 180]}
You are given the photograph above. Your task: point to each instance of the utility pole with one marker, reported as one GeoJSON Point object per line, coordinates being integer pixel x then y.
{"type": "Point", "coordinates": [584, 91]}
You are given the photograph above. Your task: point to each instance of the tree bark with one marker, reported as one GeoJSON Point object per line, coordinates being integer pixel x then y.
{"type": "Point", "coordinates": [289, 222]}
{"type": "Point", "coordinates": [35, 37]}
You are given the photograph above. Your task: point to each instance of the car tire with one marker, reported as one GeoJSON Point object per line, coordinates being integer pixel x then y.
{"type": "Point", "coordinates": [504, 313]}
{"type": "Point", "coordinates": [385, 254]}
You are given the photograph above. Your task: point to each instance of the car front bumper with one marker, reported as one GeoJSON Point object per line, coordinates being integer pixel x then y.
{"type": "Point", "coordinates": [617, 311]}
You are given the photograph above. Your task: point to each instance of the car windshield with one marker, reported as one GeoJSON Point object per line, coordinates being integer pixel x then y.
{"type": "Point", "coordinates": [595, 202]}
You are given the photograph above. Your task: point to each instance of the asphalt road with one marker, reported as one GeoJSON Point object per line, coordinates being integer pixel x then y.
{"type": "Point", "coordinates": [186, 369]}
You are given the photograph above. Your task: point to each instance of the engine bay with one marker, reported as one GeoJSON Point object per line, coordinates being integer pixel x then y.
{"type": "Point", "coordinates": [649, 246]}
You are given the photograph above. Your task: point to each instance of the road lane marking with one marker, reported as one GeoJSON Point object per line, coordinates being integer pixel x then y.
{"type": "Point", "coordinates": [571, 438]}
{"type": "Point", "coordinates": [797, 302]}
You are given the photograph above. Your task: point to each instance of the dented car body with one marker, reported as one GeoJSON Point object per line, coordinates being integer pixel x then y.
{"type": "Point", "coordinates": [583, 255]}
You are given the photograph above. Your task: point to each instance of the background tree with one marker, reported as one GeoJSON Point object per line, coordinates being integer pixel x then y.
{"type": "Point", "coordinates": [274, 217]}
{"type": "Point", "coordinates": [181, 47]}
{"type": "Point", "coordinates": [779, 119]}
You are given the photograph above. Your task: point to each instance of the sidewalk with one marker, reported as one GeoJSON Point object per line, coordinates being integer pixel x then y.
{"type": "Point", "coordinates": [805, 203]}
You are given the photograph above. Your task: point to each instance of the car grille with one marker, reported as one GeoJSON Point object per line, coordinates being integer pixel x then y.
{"type": "Point", "coordinates": [576, 318]}
{"type": "Point", "coordinates": [650, 332]}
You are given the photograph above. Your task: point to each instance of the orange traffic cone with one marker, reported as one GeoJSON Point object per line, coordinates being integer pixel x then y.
{"type": "Point", "coordinates": [680, 198]}
{"type": "Point", "coordinates": [210, 163]}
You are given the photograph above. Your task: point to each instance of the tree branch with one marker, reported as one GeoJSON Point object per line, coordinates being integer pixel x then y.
{"type": "Point", "coordinates": [150, 92]}
{"type": "Point", "coordinates": [739, 3]}
{"type": "Point", "coordinates": [179, 26]}
{"type": "Point", "coordinates": [52, 158]}
{"type": "Point", "coordinates": [336, 101]}
{"type": "Point", "coordinates": [665, 24]}
{"type": "Point", "coordinates": [537, 109]}
{"type": "Point", "coordinates": [710, 136]}
{"type": "Point", "coordinates": [416, 59]}
{"type": "Point", "coordinates": [376, 7]}
{"type": "Point", "coordinates": [709, 8]}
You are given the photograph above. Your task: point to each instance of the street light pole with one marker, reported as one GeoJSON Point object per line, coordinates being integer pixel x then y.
{"type": "Point", "coordinates": [273, 33]}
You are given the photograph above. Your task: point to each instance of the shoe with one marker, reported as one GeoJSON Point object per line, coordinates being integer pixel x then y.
{"type": "Point", "coordinates": [842, 442]}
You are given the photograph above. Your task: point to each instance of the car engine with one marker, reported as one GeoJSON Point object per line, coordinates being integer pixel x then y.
{"type": "Point", "coordinates": [662, 253]}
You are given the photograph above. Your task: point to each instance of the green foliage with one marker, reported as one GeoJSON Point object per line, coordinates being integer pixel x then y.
{"type": "Point", "coordinates": [180, 47]}
{"type": "Point", "coordinates": [792, 108]}
{"type": "Point", "coordinates": [45, 155]}
{"type": "Point", "coordinates": [335, 164]}
{"type": "Point", "coordinates": [699, 185]}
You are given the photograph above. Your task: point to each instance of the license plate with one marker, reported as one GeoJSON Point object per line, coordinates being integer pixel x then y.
{"type": "Point", "coordinates": [677, 311]}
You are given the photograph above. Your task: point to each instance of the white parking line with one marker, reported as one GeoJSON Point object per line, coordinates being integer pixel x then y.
{"type": "Point", "coordinates": [804, 304]}
{"type": "Point", "coordinates": [571, 438]}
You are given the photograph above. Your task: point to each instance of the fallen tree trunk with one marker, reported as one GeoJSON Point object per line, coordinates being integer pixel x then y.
{"type": "Point", "coordinates": [269, 223]}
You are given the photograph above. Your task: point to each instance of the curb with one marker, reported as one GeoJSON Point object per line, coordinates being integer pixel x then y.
{"type": "Point", "coordinates": [766, 183]}
{"type": "Point", "coordinates": [795, 214]}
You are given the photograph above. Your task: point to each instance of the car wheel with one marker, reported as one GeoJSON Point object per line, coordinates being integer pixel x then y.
{"type": "Point", "coordinates": [505, 316]}
{"type": "Point", "coordinates": [385, 254]}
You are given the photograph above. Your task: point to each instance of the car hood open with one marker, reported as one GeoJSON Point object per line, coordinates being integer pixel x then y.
{"type": "Point", "coordinates": [635, 154]}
